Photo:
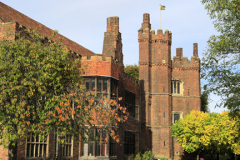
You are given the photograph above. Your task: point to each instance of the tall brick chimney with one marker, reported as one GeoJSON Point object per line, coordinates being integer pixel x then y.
{"type": "Point", "coordinates": [195, 49]}
{"type": "Point", "coordinates": [113, 24]}
{"type": "Point", "coordinates": [179, 52]}
{"type": "Point", "coordinates": [112, 44]}
{"type": "Point", "coordinates": [146, 21]}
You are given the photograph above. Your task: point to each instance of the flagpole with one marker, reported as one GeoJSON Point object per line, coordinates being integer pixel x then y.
{"type": "Point", "coordinates": [160, 16]}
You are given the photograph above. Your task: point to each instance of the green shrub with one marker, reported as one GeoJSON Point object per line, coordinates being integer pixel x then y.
{"type": "Point", "coordinates": [162, 157]}
{"type": "Point", "coordinates": [148, 155]}
{"type": "Point", "coordinates": [144, 154]}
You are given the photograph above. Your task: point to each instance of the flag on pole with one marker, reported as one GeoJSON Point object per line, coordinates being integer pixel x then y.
{"type": "Point", "coordinates": [162, 7]}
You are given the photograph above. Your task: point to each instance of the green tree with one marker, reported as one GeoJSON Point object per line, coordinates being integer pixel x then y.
{"type": "Point", "coordinates": [220, 63]}
{"type": "Point", "coordinates": [202, 131]}
{"type": "Point", "coordinates": [205, 101]}
{"type": "Point", "coordinates": [42, 89]}
{"type": "Point", "coordinates": [133, 71]}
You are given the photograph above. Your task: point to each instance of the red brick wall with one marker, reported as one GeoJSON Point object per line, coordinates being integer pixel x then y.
{"type": "Point", "coordinates": [97, 66]}
{"type": "Point", "coordinates": [7, 28]}
{"type": "Point", "coordinates": [3, 153]}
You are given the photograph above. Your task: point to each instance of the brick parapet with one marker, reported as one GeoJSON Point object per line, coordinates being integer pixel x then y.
{"type": "Point", "coordinates": [96, 65]}
{"type": "Point", "coordinates": [182, 63]}
{"type": "Point", "coordinates": [128, 77]}
{"type": "Point", "coordinates": [160, 37]}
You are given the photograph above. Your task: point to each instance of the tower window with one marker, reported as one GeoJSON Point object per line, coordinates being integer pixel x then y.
{"type": "Point", "coordinates": [174, 86]}
{"type": "Point", "coordinates": [176, 115]}
{"type": "Point", "coordinates": [177, 87]}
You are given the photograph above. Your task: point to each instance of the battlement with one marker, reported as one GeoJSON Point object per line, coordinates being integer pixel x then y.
{"type": "Point", "coordinates": [99, 57]}
{"type": "Point", "coordinates": [182, 62]}
{"type": "Point", "coordinates": [127, 76]}
{"type": "Point", "coordinates": [145, 32]}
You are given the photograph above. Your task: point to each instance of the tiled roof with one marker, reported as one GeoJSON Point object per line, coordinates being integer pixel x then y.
{"type": "Point", "coordinates": [8, 14]}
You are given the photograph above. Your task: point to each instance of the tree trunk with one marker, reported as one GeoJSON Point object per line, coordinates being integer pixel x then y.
{"type": "Point", "coordinates": [198, 153]}
{"type": "Point", "coordinates": [12, 151]}
{"type": "Point", "coordinates": [217, 156]}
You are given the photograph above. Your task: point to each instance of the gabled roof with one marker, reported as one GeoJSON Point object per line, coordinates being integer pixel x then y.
{"type": "Point", "coordinates": [8, 14]}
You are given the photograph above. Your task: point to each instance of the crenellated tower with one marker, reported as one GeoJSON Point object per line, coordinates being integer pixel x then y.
{"type": "Point", "coordinates": [170, 88]}
{"type": "Point", "coordinates": [155, 77]}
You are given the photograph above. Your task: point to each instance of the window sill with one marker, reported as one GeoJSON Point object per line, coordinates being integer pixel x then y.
{"type": "Point", "coordinates": [130, 117]}
{"type": "Point", "coordinates": [176, 95]}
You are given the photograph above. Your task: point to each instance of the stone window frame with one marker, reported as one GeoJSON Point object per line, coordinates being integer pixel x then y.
{"type": "Point", "coordinates": [111, 90]}
{"type": "Point", "coordinates": [37, 143]}
{"type": "Point", "coordinates": [178, 83]}
{"type": "Point", "coordinates": [93, 84]}
{"type": "Point", "coordinates": [137, 115]}
{"type": "Point", "coordinates": [177, 112]}
{"type": "Point", "coordinates": [66, 146]}
{"type": "Point", "coordinates": [86, 153]}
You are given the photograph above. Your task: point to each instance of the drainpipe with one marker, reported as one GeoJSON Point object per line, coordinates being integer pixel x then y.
{"type": "Point", "coordinates": [140, 120]}
{"type": "Point", "coordinates": [57, 146]}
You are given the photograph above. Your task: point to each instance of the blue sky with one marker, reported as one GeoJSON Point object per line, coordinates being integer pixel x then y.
{"type": "Point", "coordinates": [84, 21]}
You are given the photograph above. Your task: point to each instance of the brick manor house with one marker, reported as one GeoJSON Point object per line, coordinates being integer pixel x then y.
{"type": "Point", "coordinates": [168, 90]}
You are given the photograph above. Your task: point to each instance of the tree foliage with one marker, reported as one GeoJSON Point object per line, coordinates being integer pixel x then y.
{"type": "Point", "coordinates": [220, 63]}
{"type": "Point", "coordinates": [205, 101]}
{"type": "Point", "coordinates": [133, 70]}
{"type": "Point", "coordinates": [42, 90]}
{"type": "Point", "coordinates": [202, 131]}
